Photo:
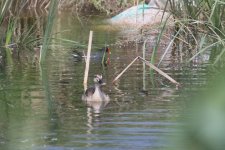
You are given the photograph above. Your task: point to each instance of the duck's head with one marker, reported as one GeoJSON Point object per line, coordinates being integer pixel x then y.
{"type": "Point", "coordinates": [107, 50]}
{"type": "Point", "coordinates": [98, 79]}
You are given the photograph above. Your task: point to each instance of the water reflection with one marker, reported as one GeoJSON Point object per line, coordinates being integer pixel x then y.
{"type": "Point", "coordinates": [94, 110]}
{"type": "Point", "coordinates": [96, 106]}
{"type": "Point", "coordinates": [93, 119]}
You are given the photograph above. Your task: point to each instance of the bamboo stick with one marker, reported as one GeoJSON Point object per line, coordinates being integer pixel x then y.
{"type": "Point", "coordinates": [88, 60]}
{"type": "Point", "coordinates": [144, 65]}
{"type": "Point", "coordinates": [137, 11]}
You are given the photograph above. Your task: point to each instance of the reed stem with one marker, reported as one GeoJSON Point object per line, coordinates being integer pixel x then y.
{"type": "Point", "coordinates": [124, 70]}
{"type": "Point", "coordinates": [48, 29]}
{"type": "Point", "coordinates": [151, 66]}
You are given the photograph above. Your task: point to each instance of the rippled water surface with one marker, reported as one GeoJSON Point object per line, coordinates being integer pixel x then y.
{"type": "Point", "coordinates": [41, 107]}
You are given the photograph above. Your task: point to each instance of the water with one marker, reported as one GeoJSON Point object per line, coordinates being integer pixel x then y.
{"type": "Point", "coordinates": [41, 107]}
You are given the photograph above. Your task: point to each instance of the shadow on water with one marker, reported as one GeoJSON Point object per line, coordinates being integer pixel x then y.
{"type": "Point", "coordinates": [41, 108]}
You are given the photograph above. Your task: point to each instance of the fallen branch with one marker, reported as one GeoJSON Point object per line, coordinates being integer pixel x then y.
{"type": "Point", "coordinates": [125, 70]}
{"type": "Point", "coordinates": [151, 66]}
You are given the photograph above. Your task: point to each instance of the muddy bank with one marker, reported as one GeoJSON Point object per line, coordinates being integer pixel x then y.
{"type": "Point", "coordinates": [82, 6]}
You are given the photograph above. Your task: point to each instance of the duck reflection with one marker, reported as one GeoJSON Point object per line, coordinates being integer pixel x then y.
{"type": "Point", "coordinates": [94, 109]}
{"type": "Point", "coordinates": [96, 106]}
{"type": "Point", "coordinates": [96, 100]}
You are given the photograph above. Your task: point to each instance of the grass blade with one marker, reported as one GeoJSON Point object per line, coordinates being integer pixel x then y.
{"type": "Point", "coordinates": [48, 29]}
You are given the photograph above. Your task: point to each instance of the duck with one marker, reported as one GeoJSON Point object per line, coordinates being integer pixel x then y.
{"type": "Point", "coordinates": [104, 55]}
{"type": "Point", "coordinates": [95, 92]}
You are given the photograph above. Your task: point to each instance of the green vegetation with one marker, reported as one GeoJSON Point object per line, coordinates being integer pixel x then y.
{"type": "Point", "coordinates": [201, 25]}
{"type": "Point", "coordinates": [48, 29]}
{"type": "Point", "coordinates": [11, 20]}
{"type": "Point", "coordinates": [200, 28]}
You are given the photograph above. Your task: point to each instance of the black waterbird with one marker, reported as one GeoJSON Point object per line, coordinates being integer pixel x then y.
{"type": "Point", "coordinates": [104, 55]}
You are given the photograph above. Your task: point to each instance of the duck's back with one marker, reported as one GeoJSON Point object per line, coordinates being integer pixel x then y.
{"type": "Point", "coordinates": [95, 94]}
{"type": "Point", "coordinates": [90, 91]}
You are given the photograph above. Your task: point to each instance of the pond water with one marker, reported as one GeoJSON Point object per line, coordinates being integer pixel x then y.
{"type": "Point", "coordinates": [41, 107]}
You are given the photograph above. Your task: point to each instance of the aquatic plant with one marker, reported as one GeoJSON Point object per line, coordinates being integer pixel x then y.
{"type": "Point", "coordinates": [4, 6]}
{"type": "Point", "coordinates": [202, 25]}
{"type": "Point", "coordinates": [48, 29]}
{"type": "Point", "coordinates": [198, 27]}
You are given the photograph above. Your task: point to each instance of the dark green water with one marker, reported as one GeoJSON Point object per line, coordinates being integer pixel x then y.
{"type": "Point", "coordinates": [41, 107]}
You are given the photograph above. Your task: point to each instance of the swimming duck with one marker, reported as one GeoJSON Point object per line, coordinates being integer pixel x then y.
{"type": "Point", "coordinates": [95, 93]}
{"type": "Point", "coordinates": [104, 55]}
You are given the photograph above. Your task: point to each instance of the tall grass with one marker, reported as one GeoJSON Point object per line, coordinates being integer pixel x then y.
{"type": "Point", "coordinates": [10, 11]}
{"type": "Point", "coordinates": [9, 31]}
{"type": "Point", "coordinates": [48, 29]}
{"type": "Point", "coordinates": [201, 19]}
{"type": "Point", "coordinates": [4, 6]}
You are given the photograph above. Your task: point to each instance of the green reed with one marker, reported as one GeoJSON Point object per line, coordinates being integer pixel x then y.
{"type": "Point", "coordinates": [201, 18]}
{"type": "Point", "coordinates": [48, 29]}
{"type": "Point", "coordinates": [4, 7]}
